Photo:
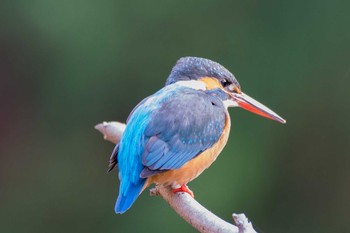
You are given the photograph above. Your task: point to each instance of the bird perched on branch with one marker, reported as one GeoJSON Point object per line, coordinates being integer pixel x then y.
{"type": "Point", "coordinates": [172, 136]}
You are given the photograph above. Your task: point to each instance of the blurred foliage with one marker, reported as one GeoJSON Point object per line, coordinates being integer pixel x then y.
{"type": "Point", "coordinates": [67, 65]}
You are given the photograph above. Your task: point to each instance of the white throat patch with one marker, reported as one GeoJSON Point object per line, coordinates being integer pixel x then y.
{"type": "Point", "coordinates": [230, 103]}
{"type": "Point", "coordinates": [194, 84]}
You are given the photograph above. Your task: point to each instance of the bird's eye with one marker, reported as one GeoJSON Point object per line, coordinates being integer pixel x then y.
{"type": "Point", "coordinates": [225, 82]}
{"type": "Point", "coordinates": [229, 86]}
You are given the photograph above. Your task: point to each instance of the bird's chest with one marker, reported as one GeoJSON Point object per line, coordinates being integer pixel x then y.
{"type": "Point", "coordinates": [196, 166]}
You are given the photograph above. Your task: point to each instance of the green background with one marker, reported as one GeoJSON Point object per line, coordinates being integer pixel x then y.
{"type": "Point", "coordinates": [68, 65]}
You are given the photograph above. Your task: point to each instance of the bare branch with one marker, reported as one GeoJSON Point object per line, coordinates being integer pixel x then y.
{"type": "Point", "coordinates": [186, 206]}
{"type": "Point", "coordinates": [112, 131]}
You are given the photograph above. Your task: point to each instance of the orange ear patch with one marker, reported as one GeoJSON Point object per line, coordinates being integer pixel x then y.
{"type": "Point", "coordinates": [237, 90]}
{"type": "Point", "coordinates": [211, 83]}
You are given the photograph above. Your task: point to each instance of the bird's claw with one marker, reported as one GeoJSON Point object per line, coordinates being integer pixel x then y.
{"type": "Point", "coordinates": [184, 188]}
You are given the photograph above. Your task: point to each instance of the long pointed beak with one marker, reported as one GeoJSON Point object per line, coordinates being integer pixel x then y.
{"type": "Point", "coordinates": [248, 103]}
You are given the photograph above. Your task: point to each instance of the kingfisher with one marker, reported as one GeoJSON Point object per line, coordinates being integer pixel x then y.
{"type": "Point", "coordinates": [172, 136]}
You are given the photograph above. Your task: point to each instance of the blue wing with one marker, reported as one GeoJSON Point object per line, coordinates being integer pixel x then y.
{"type": "Point", "coordinates": [131, 147]}
{"type": "Point", "coordinates": [113, 160]}
{"type": "Point", "coordinates": [164, 132]}
{"type": "Point", "coordinates": [183, 127]}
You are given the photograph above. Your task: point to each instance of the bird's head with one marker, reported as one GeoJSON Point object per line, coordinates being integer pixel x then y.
{"type": "Point", "coordinates": [211, 75]}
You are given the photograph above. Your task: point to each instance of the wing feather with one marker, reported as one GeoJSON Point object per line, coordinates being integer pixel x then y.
{"type": "Point", "coordinates": [183, 127]}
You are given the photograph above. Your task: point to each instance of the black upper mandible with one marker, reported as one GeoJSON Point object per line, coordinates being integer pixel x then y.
{"type": "Point", "coordinates": [192, 68]}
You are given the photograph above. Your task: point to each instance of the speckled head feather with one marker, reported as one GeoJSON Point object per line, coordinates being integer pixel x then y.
{"type": "Point", "coordinates": [192, 68]}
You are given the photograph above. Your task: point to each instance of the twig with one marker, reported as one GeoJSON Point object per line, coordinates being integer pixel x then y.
{"type": "Point", "coordinates": [186, 206]}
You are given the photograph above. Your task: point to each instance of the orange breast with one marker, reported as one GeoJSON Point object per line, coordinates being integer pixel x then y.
{"type": "Point", "coordinates": [194, 167]}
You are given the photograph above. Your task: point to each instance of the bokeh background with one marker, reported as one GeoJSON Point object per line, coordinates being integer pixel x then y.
{"type": "Point", "coordinates": [68, 65]}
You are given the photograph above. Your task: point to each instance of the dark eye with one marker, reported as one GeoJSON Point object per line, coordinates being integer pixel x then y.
{"type": "Point", "coordinates": [229, 86]}
{"type": "Point", "coordinates": [225, 82]}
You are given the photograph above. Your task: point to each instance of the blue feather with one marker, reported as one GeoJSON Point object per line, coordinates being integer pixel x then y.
{"type": "Point", "coordinates": [125, 201]}
{"type": "Point", "coordinates": [129, 157]}
{"type": "Point", "coordinates": [163, 132]}
{"type": "Point", "coordinates": [131, 148]}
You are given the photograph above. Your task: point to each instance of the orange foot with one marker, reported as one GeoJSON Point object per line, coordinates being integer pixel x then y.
{"type": "Point", "coordinates": [184, 189]}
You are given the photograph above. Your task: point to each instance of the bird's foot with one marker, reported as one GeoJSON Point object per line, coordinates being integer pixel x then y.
{"type": "Point", "coordinates": [183, 188]}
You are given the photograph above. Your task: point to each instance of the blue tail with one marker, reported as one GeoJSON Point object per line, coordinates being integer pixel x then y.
{"type": "Point", "coordinates": [127, 196]}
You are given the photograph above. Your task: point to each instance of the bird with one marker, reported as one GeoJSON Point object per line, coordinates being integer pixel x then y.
{"type": "Point", "coordinates": [172, 136]}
